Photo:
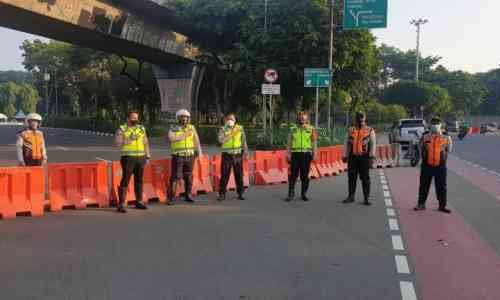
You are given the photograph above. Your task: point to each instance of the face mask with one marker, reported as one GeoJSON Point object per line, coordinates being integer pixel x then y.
{"type": "Point", "coordinates": [134, 122]}
{"type": "Point", "coordinates": [436, 128]}
{"type": "Point", "coordinates": [230, 123]}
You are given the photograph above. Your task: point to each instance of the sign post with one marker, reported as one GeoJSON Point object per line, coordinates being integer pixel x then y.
{"type": "Point", "coordinates": [317, 78]}
{"type": "Point", "coordinates": [365, 14]}
{"type": "Point", "coordinates": [271, 76]}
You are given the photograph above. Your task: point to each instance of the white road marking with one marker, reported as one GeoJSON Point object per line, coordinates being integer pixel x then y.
{"type": "Point", "coordinates": [402, 264]}
{"type": "Point", "coordinates": [62, 148]}
{"type": "Point", "coordinates": [388, 201]}
{"type": "Point", "coordinates": [407, 290]}
{"type": "Point", "coordinates": [391, 212]}
{"type": "Point", "coordinates": [385, 187]}
{"type": "Point", "coordinates": [397, 243]}
{"type": "Point", "coordinates": [393, 225]}
{"type": "Point", "coordinates": [387, 194]}
{"type": "Point", "coordinates": [102, 159]}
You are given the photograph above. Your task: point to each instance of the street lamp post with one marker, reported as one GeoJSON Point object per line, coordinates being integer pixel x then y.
{"type": "Point", "coordinates": [330, 64]}
{"type": "Point", "coordinates": [46, 79]}
{"type": "Point", "coordinates": [418, 23]}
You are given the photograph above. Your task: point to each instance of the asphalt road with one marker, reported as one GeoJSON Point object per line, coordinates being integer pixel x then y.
{"type": "Point", "coordinates": [480, 149]}
{"type": "Point", "coordinates": [66, 145]}
{"type": "Point", "coordinates": [261, 248]}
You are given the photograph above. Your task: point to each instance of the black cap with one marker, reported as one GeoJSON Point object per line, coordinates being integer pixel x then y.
{"type": "Point", "coordinates": [436, 120]}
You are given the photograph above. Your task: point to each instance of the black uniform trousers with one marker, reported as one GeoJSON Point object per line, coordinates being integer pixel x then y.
{"type": "Point", "coordinates": [228, 162]}
{"type": "Point", "coordinates": [359, 166]}
{"type": "Point", "coordinates": [131, 165]}
{"type": "Point", "coordinates": [182, 167]}
{"type": "Point", "coordinates": [427, 173]}
{"type": "Point", "coordinates": [300, 165]}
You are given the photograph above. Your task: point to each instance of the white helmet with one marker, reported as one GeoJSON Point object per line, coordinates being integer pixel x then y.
{"type": "Point", "coordinates": [182, 112]}
{"type": "Point", "coordinates": [34, 116]}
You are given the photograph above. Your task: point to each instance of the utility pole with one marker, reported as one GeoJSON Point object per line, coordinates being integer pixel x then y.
{"type": "Point", "coordinates": [330, 65]}
{"type": "Point", "coordinates": [418, 23]}
{"type": "Point", "coordinates": [265, 16]}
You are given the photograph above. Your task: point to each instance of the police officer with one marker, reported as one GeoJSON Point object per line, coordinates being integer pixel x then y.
{"type": "Point", "coordinates": [185, 148]}
{"type": "Point", "coordinates": [360, 147]}
{"type": "Point", "coordinates": [30, 143]}
{"type": "Point", "coordinates": [301, 152]}
{"type": "Point", "coordinates": [132, 138]}
{"type": "Point", "coordinates": [435, 145]}
{"type": "Point", "coordinates": [234, 148]}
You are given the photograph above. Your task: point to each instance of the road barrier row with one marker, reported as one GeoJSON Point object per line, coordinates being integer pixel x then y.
{"type": "Point", "coordinates": [82, 185]}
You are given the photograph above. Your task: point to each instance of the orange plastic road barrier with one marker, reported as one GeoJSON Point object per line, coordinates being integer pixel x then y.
{"type": "Point", "coordinates": [270, 167]}
{"type": "Point", "coordinates": [231, 185]}
{"type": "Point", "coordinates": [78, 185]}
{"type": "Point", "coordinates": [325, 162]}
{"type": "Point", "coordinates": [22, 190]}
{"type": "Point", "coordinates": [314, 172]}
{"type": "Point", "coordinates": [379, 159]}
{"type": "Point", "coordinates": [156, 177]}
{"type": "Point", "coordinates": [388, 156]}
{"type": "Point", "coordinates": [201, 175]}
{"type": "Point", "coordinates": [338, 154]}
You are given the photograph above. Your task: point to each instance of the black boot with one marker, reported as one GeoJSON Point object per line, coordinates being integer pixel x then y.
{"type": "Point", "coordinates": [140, 205]}
{"type": "Point", "coordinates": [222, 197]}
{"type": "Point", "coordinates": [349, 199]}
{"type": "Point", "coordinates": [240, 196]}
{"type": "Point", "coordinates": [420, 206]}
{"type": "Point", "coordinates": [172, 190]}
{"type": "Point", "coordinates": [120, 206]}
{"type": "Point", "coordinates": [188, 182]}
{"type": "Point", "coordinates": [367, 201]}
{"type": "Point", "coordinates": [444, 210]}
{"type": "Point", "coordinates": [291, 192]}
{"type": "Point", "coordinates": [304, 187]}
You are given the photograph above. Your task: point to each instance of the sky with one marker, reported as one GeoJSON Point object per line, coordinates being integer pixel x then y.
{"type": "Point", "coordinates": [465, 33]}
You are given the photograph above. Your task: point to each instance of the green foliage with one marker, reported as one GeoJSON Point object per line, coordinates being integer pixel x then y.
{"type": "Point", "coordinates": [401, 65]}
{"type": "Point", "coordinates": [15, 97]}
{"type": "Point", "coordinates": [466, 91]}
{"type": "Point", "coordinates": [413, 95]}
{"type": "Point", "coordinates": [82, 123]}
{"type": "Point", "coordinates": [491, 81]}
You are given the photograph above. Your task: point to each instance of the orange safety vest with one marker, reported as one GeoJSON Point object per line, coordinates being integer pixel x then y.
{"type": "Point", "coordinates": [32, 144]}
{"type": "Point", "coordinates": [435, 149]}
{"type": "Point", "coordinates": [359, 140]}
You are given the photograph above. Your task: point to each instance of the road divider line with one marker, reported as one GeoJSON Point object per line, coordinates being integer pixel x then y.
{"type": "Point", "coordinates": [62, 148]}
{"type": "Point", "coordinates": [393, 225]}
{"type": "Point", "coordinates": [402, 264]}
{"type": "Point", "coordinates": [391, 212]}
{"type": "Point", "coordinates": [387, 194]}
{"type": "Point", "coordinates": [388, 202]}
{"type": "Point", "coordinates": [397, 243]}
{"type": "Point", "coordinates": [407, 290]}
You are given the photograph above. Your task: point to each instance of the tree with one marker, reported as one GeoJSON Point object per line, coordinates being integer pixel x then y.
{"type": "Point", "coordinates": [414, 95]}
{"type": "Point", "coordinates": [466, 90]}
{"type": "Point", "coordinates": [491, 81]}
{"type": "Point", "coordinates": [401, 65]}
{"type": "Point", "coordinates": [15, 97]}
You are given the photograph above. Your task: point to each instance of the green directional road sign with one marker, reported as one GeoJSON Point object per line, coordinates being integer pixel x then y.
{"type": "Point", "coordinates": [317, 77]}
{"type": "Point", "coordinates": [360, 14]}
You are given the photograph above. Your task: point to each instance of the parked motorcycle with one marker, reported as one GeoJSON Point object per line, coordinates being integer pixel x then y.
{"type": "Point", "coordinates": [463, 133]}
{"type": "Point", "coordinates": [413, 153]}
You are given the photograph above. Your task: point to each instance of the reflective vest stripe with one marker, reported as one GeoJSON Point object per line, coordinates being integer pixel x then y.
{"type": "Point", "coordinates": [137, 147]}
{"type": "Point", "coordinates": [234, 144]}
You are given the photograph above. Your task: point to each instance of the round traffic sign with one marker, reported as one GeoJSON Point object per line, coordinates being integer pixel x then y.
{"type": "Point", "coordinates": [271, 75]}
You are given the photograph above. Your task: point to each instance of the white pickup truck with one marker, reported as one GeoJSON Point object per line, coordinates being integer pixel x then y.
{"type": "Point", "coordinates": [405, 131]}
